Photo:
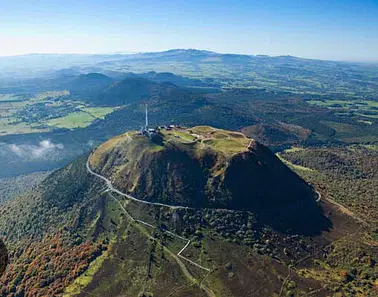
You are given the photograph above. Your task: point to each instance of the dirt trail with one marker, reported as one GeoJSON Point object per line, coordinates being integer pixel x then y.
{"type": "Point", "coordinates": [178, 257]}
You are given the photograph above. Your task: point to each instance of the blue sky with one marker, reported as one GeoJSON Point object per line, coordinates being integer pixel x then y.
{"type": "Point", "coordinates": [336, 30]}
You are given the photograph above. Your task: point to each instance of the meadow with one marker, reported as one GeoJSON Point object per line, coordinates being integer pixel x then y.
{"type": "Point", "coordinates": [361, 108]}
{"type": "Point", "coordinates": [80, 119]}
{"type": "Point", "coordinates": [42, 112]}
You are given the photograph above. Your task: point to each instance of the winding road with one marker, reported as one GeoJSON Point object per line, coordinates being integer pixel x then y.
{"type": "Point", "coordinates": [319, 196]}
{"type": "Point", "coordinates": [111, 188]}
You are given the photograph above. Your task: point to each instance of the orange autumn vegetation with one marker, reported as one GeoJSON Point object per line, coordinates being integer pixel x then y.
{"type": "Point", "coordinates": [45, 268]}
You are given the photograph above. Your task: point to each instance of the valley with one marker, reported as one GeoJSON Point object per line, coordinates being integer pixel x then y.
{"type": "Point", "coordinates": [94, 107]}
{"type": "Point", "coordinates": [45, 112]}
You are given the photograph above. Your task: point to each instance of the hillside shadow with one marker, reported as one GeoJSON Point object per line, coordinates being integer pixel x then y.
{"type": "Point", "coordinates": [302, 218]}
{"type": "Point", "coordinates": [259, 182]}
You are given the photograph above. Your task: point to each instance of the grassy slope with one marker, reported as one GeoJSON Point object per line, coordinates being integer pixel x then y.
{"type": "Point", "coordinates": [121, 156]}
{"type": "Point", "coordinates": [138, 264]}
{"type": "Point", "coordinates": [91, 246]}
{"type": "Point", "coordinates": [207, 167]}
{"type": "Point", "coordinates": [196, 140]}
{"type": "Point", "coordinates": [343, 226]}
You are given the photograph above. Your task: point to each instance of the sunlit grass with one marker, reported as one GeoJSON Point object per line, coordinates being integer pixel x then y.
{"type": "Point", "coordinates": [83, 280]}
{"type": "Point", "coordinates": [98, 112]}
{"type": "Point", "coordinates": [72, 120]}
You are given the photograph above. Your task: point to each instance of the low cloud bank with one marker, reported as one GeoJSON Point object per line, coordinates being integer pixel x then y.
{"type": "Point", "coordinates": [44, 150]}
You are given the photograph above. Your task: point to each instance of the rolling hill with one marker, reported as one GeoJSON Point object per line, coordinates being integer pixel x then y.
{"type": "Point", "coordinates": [87, 86]}
{"type": "Point", "coordinates": [99, 89]}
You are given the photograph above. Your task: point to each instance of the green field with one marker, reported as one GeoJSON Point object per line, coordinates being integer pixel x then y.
{"type": "Point", "coordinates": [9, 127]}
{"type": "Point", "coordinates": [50, 95]}
{"type": "Point", "coordinates": [365, 122]}
{"type": "Point", "coordinates": [342, 127]}
{"type": "Point", "coordinates": [8, 109]}
{"type": "Point", "coordinates": [12, 97]}
{"type": "Point", "coordinates": [373, 116]}
{"type": "Point", "coordinates": [81, 118]}
{"type": "Point", "coordinates": [21, 114]}
{"type": "Point", "coordinates": [347, 104]}
{"type": "Point", "coordinates": [98, 112]}
{"type": "Point", "coordinates": [362, 108]}
{"type": "Point", "coordinates": [73, 120]}
{"type": "Point", "coordinates": [291, 165]}
{"type": "Point", "coordinates": [294, 149]}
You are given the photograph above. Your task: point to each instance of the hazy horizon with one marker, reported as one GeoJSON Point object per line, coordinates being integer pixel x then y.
{"type": "Point", "coordinates": [326, 30]}
{"type": "Point", "coordinates": [172, 49]}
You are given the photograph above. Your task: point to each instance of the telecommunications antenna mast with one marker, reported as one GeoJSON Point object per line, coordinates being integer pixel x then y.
{"type": "Point", "coordinates": [146, 117]}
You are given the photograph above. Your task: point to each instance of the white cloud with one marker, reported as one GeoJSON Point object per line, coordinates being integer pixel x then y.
{"type": "Point", "coordinates": [44, 150]}
{"type": "Point", "coordinates": [16, 149]}
{"type": "Point", "coordinates": [91, 143]}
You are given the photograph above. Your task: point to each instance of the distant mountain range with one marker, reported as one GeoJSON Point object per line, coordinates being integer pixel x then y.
{"type": "Point", "coordinates": [282, 73]}
{"type": "Point", "coordinates": [39, 63]}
